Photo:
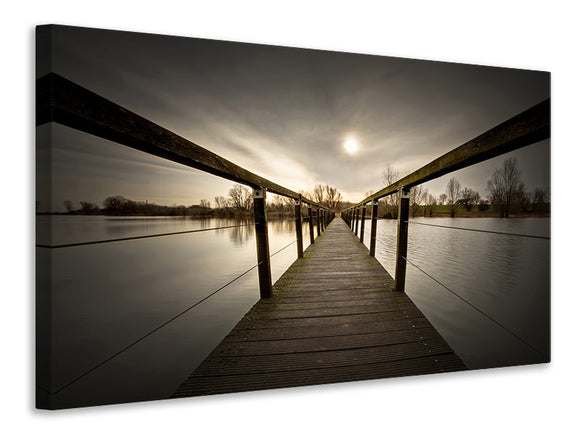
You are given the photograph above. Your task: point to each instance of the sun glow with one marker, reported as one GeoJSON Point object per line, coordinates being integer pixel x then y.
{"type": "Point", "coordinates": [351, 146]}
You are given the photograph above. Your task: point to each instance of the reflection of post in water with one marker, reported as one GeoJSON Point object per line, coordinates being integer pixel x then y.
{"type": "Point", "coordinates": [241, 232]}
{"type": "Point", "coordinates": [282, 226]}
{"type": "Point", "coordinates": [204, 222]}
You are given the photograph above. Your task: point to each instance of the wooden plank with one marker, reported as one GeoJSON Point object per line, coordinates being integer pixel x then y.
{"type": "Point", "coordinates": [60, 100]}
{"type": "Point", "coordinates": [528, 127]}
{"type": "Point", "coordinates": [196, 386]}
{"type": "Point", "coordinates": [293, 305]}
{"type": "Point", "coordinates": [336, 321]}
{"type": "Point", "coordinates": [326, 312]}
{"type": "Point", "coordinates": [333, 317]}
{"type": "Point", "coordinates": [253, 332]}
{"type": "Point", "coordinates": [216, 366]}
{"type": "Point", "coordinates": [229, 348]}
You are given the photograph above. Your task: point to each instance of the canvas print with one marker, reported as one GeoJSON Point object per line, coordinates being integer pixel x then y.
{"type": "Point", "coordinates": [220, 217]}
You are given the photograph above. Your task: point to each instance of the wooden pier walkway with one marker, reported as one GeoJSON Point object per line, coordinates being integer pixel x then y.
{"type": "Point", "coordinates": [333, 318]}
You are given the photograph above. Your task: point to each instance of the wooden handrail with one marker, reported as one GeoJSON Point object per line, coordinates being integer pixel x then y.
{"type": "Point", "coordinates": [526, 128]}
{"type": "Point", "coordinates": [62, 101]}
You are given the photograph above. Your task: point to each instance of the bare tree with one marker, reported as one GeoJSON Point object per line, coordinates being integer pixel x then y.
{"type": "Point", "coordinates": [390, 176]}
{"type": "Point", "coordinates": [431, 204]}
{"type": "Point", "coordinates": [278, 203]}
{"type": "Point", "coordinates": [204, 203]}
{"type": "Point", "coordinates": [114, 203]}
{"type": "Point", "coordinates": [333, 198]}
{"type": "Point", "coordinates": [221, 202]}
{"type": "Point", "coordinates": [453, 187]}
{"type": "Point", "coordinates": [442, 199]}
{"type": "Point", "coordinates": [88, 207]}
{"type": "Point", "coordinates": [416, 198]}
{"type": "Point", "coordinates": [505, 186]}
{"type": "Point", "coordinates": [540, 200]}
{"type": "Point", "coordinates": [468, 198]}
{"type": "Point", "coordinates": [241, 197]}
{"type": "Point", "coordinates": [69, 206]}
{"type": "Point", "coordinates": [318, 193]}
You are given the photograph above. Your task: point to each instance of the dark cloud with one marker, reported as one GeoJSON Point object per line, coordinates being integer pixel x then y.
{"type": "Point", "coordinates": [285, 113]}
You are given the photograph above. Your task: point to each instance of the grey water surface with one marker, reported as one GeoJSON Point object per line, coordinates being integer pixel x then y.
{"type": "Point", "coordinates": [487, 294]}
{"type": "Point", "coordinates": [107, 296]}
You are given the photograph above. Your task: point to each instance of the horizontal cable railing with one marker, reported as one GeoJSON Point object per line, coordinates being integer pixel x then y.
{"type": "Point", "coordinates": [147, 236]}
{"type": "Point", "coordinates": [477, 309]}
{"type": "Point", "coordinates": [167, 322]}
{"type": "Point", "coordinates": [61, 101]}
{"type": "Point", "coordinates": [480, 231]}
{"type": "Point", "coordinates": [526, 128]}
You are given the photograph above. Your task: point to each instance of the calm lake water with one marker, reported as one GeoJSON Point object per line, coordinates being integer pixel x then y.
{"type": "Point", "coordinates": [505, 277]}
{"type": "Point", "coordinates": [106, 296]}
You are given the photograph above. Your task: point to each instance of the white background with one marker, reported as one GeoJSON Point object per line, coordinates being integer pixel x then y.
{"type": "Point", "coordinates": [531, 34]}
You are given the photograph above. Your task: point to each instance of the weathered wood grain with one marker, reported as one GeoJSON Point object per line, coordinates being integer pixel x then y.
{"type": "Point", "coordinates": [333, 317]}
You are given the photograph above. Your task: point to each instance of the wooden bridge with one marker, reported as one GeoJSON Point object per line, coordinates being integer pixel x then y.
{"type": "Point", "coordinates": [336, 315]}
{"type": "Point", "coordinates": [333, 317]}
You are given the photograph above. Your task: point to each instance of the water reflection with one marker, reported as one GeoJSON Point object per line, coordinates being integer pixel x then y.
{"type": "Point", "coordinates": [507, 277]}
{"type": "Point", "coordinates": [106, 296]}
{"type": "Point", "coordinates": [241, 234]}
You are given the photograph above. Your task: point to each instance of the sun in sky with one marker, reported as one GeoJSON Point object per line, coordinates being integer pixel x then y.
{"type": "Point", "coordinates": [351, 146]}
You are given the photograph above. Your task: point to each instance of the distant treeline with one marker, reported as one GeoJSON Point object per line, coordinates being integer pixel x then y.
{"type": "Point", "coordinates": [119, 205]}
{"type": "Point", "coordinates": [239, 202]}
{"type": "Point", "coordinates": [507, 196]}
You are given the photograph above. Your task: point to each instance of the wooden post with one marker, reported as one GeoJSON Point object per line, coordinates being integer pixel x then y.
{"type": "Point", "coordinates": [362, 223]}
{"type": "Point", "coordinates": [374, 213]}
{"type": "Point", "coordinates": [322, 219]}
{"type": "Point", "coordinates": [262, 247]}
{"type": "Point", "coordinates": [356, 221]}
{"type": "Point", "coordinates": [317, 221]}
{"type": "Point", "coordinates": [298, 216]}
{"type": "Point", "coordinates": [310, 223]}
{"type": "Point", "coordinates": [402, 236]}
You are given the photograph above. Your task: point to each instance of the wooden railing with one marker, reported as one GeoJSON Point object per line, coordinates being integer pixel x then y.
{"type": "Point", "coordinates": [526, 128]}
{"type": "Point", "coordinates": [62, 101]}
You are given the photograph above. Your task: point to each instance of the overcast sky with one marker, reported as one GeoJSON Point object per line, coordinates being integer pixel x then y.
{"type": "Point", "coordinates": [282, 113]}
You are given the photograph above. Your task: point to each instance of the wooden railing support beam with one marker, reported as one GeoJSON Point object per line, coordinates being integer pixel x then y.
{"type": "Point", "coordinates": [362, 223]}
{"type": "Point", "coordinates": [310, 224]}
{"type": "Point", "coordinates": [402, 238]}
{"type": "Point", "coordinates": [298, 216]}
{"type": "Point", "coordinates": [374, 217]}
{"type": "Point", "coordinates": [262, 245]}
